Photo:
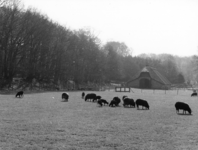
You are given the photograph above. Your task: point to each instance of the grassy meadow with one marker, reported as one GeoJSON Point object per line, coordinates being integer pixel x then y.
{"type": "Point", "coordinates": [41, 121]}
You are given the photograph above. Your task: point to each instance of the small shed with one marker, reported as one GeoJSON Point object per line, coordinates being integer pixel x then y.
{"type": "Point", "coordinates": [149, 78]}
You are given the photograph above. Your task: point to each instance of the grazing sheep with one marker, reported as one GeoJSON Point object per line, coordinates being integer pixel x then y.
{"type": "Point", "coordinates": [143, 103]}
{"type": "Point", "coordinates": [183, 106]}
{"type": "Point", "coordinates": [194, 94]}
{"type": "Point", "coordinates": [96, 98]}
{"type": "Point", "coordinates": [19, 94]}
{"type": "Point", "coordinates": [90, 97]}
{"type": "Point", "coordinates": [128, 102]}
{"type": "Point", "coordinates": [65, 97]}
{"type": "Point", "coordinates": [117, 99]}
{"type": "Point", "coordinates": [115, 102]}
{"type": "Point", "coordinates": [102, 102]}
{"type": "Point", "coordinates": [83, 95]}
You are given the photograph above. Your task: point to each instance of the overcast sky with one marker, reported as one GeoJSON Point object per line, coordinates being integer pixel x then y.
{"type": "Point", "coordinates": [146, 26]}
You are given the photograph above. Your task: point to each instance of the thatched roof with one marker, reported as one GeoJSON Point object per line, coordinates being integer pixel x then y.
{"type": "Point", "coordinates": [154, 74]}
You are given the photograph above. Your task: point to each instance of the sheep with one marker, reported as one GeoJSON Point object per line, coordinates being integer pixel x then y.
{"type": "Point", "coordinates": [128, 102]}
{"type": "Point", "coordinates": [183, 106]}
{"type": "Point", "coordinates": [90, 96]}
{"type": "Point", "coordinates": [83, 95]}
{"type": "Point", "coordinates": [115, 102]}
{"type": "Point", "coordinates": [20, 94]}
{"type": "Point", "coordinates": [65, 97]}
{"type": "Point", "coordinates": [194, 94]}
{"type": "Point", "coordinates": [102, 102]}
{"type": "Point", "coordinates": [143, 103]}
{"type": "Point", "coordinates": [96, 98]}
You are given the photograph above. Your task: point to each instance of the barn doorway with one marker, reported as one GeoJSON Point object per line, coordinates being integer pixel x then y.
{"type": "Point", "coordinates": [145, 83]}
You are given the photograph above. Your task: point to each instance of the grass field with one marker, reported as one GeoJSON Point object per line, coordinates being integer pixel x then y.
{"type": "Point", "coordinates": [38, 121]}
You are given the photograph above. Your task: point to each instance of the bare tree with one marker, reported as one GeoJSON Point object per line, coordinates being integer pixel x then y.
{"type": "Point", "coordinates": [2, 3]}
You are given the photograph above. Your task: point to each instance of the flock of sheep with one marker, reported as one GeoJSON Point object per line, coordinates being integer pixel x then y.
{"type": "Point", "coordinates": [127, 102]}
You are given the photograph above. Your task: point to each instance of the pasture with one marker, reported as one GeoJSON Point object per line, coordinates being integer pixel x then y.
{"type": "Point", "coordinates": [42, 121]}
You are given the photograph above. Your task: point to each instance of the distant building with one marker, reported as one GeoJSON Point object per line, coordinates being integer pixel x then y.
{"type": "Point", "coordinates": [149, 78]}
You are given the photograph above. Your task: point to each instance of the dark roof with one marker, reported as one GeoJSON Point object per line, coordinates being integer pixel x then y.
{"type": "Point", "coordinates": [154, 74]}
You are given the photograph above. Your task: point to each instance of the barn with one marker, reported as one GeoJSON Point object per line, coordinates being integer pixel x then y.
{"type": "Point", "coordinates": [149, 78]}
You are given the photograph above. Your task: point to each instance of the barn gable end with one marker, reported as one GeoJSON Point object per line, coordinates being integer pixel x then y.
{"type": "Point", "coordinates": [149, 78]}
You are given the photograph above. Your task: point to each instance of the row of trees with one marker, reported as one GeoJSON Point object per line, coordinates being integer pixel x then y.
{"type": "Point", "coordinates": [34, 47]}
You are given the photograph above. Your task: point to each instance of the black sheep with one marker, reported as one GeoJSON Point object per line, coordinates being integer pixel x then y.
{"type": "Point", "coordinates": [117, 99]}
{"type": "Point", "coordinates": [194, 94]}
{"type": "Point", "coordinates": [96, 98]}
{"type": "Point", "coordinates": [102, 102]}
{"type": "Point", "coordinates": [183, 106]}
{"type": "Point", "coordinates": [65, 97]}
{"type": "Point", "coordinates": [90, 97]}
{"type": "Point", "coordinates": [128, 102]}
{"type": "Point", "coordinates": [115, 102]}
{"type": "Point", "coordinates": [83, 95]}
{"type": "Point", "coordinates": [143, 103]}
{"type": "Point", "coordinates": [19, 94]}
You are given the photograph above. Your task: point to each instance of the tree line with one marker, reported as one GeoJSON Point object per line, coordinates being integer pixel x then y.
{"type": "Point", "coordinates": [34, 47]}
